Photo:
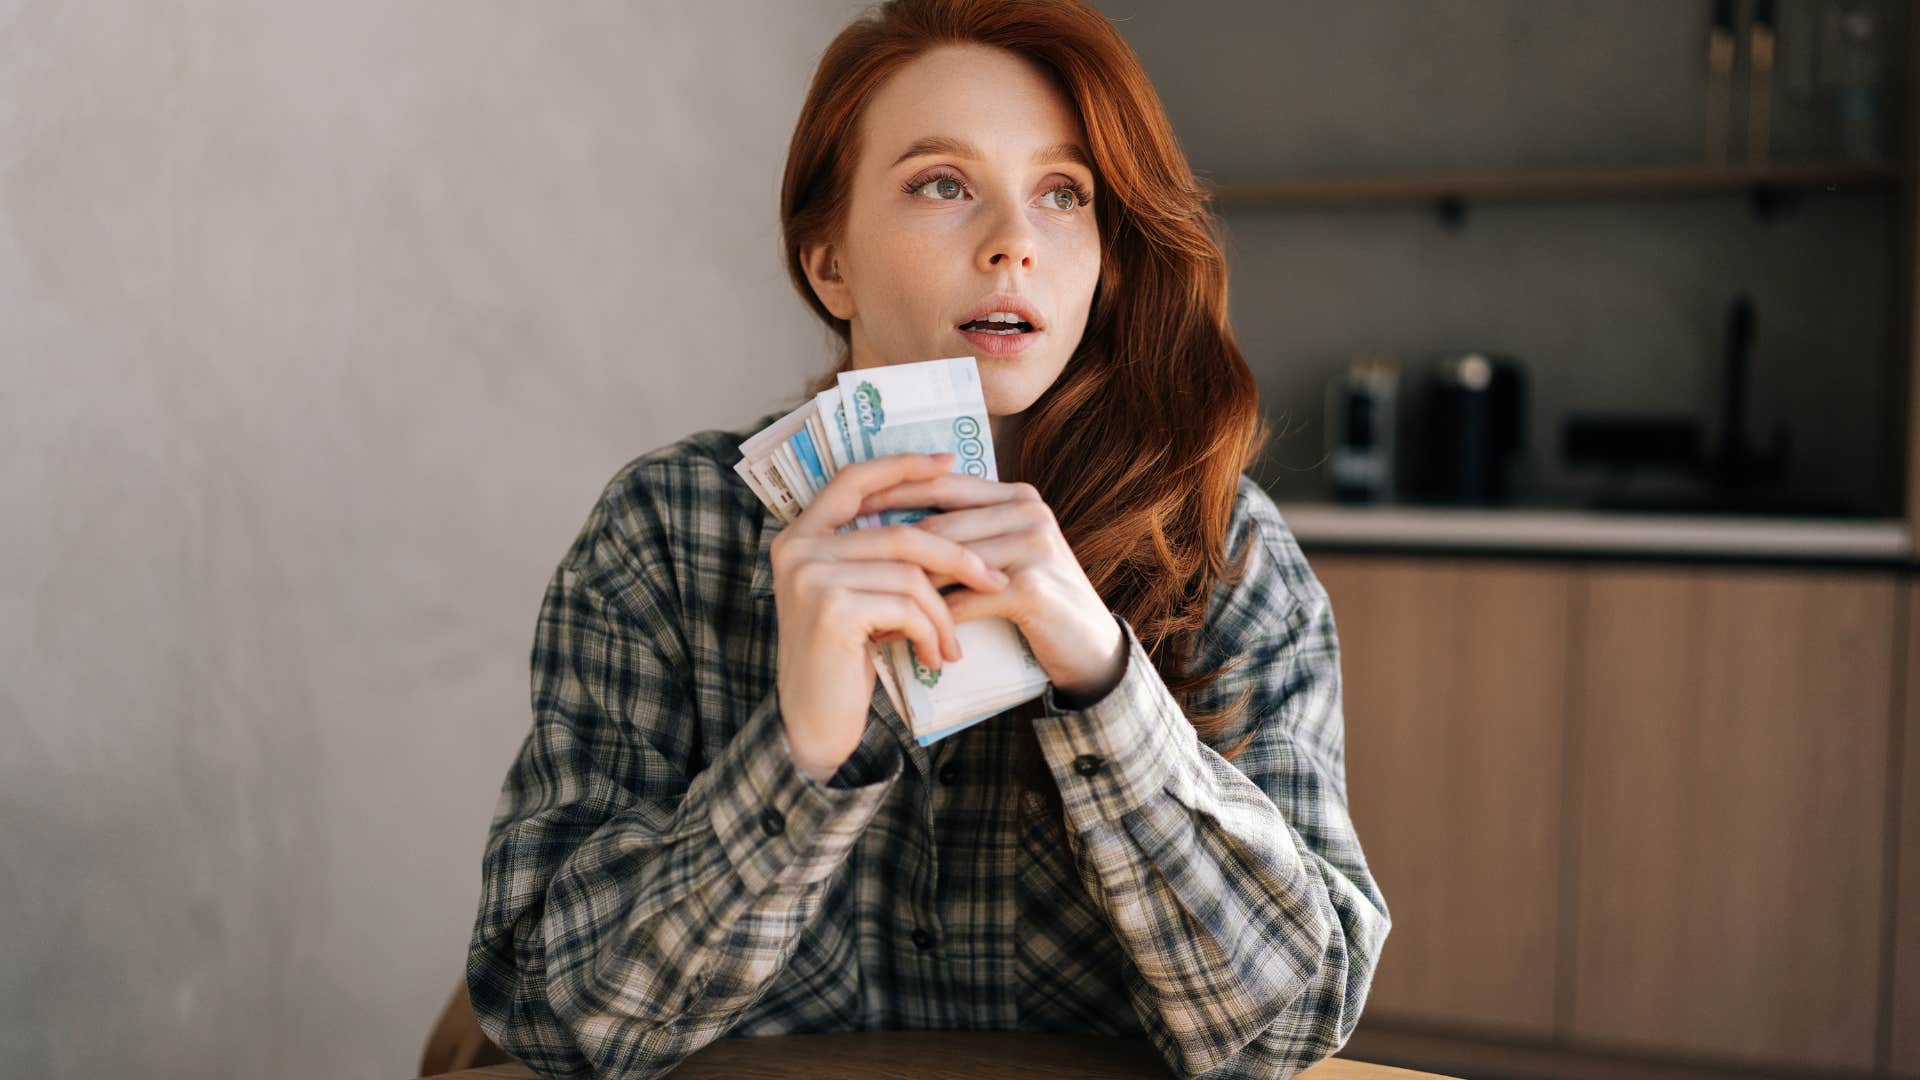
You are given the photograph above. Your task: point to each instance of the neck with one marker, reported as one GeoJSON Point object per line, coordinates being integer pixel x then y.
{"type": "Point", "coordinates": [1006, 444]}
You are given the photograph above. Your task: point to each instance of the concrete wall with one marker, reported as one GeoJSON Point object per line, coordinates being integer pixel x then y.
{"type": "Point", "coordinates": [321, 327]}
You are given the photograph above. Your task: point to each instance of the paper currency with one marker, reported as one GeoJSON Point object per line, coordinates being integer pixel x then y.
{"type": "Point", "coordinates": [931, 407]}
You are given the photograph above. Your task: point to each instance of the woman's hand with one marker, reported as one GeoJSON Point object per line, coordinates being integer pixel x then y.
{"type": "Point", "coordinates": [1073, 633]}
{"type": "Point", "coordinates": [834, 590]}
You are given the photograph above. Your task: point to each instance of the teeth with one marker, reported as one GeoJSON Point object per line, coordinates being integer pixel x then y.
{"type": "Point", "coordinates": [1012, 321]}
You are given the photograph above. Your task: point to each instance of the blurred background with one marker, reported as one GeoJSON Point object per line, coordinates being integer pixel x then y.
{"type": "Point", "coordinates": [1587, 332]}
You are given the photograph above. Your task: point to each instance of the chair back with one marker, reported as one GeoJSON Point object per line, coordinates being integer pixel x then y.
{"type": "Point", "coordinates": [457, 1041]}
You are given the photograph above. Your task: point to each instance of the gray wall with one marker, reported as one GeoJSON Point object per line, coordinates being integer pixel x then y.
{"type": "Point", "coordinates": [321, 327]}
{"type": "Point", "coordinates": [1613, 305]}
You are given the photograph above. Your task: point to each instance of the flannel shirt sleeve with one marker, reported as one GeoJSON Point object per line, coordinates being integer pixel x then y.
{"type": "Point", "coordinates": [630, 913]}
{"type": "Point", "coordinates": [1238, 889]}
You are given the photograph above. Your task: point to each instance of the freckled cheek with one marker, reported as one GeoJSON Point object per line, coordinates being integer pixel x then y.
{"type": "Point", "coordinates": [903, 287]}
{"type": "Point", "coordinates": [917, 261]}
{"type": "Point", "coordinates": [1078, 246]}
{"type": "Point", "coordinates": [913, 240]}
{"type": "Point", "coordinates": [890, 250]}
{"type": "Point", "coordinates": [1078, 263]}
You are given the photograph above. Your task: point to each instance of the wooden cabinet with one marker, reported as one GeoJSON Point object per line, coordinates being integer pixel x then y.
{"type": "Point", "coordinates": [1905, 1050]}
{"type": "Point", "coordinates": [1730, 890]}
{"type": "Point", "coordinates": [1637, 813]}
{"type": "Point", "coordinates": [1454, 691]}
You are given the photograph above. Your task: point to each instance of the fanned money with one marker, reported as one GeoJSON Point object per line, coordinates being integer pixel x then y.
{"type": "Point", "coordinates": [931, 407]}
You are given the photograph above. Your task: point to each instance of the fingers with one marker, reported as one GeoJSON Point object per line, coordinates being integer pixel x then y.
{"type": "Point", "coordinates": [980, 522]}
{"type": "Point", "coordinates": [936, 554]}
{"type": "Point", "coordinates": [952, 491]}
{"type": "Point", "coordinates": [897, 612]}
{"type": "Point", "coordinates": [1001, 552]}
{"type": "Point", "coordinates": [839, 502]}
{"type": "Point", "coordinates": [929, 624]}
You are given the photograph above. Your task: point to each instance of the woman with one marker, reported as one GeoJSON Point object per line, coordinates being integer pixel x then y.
{"type": "Point", "coordinates": [717, 825]}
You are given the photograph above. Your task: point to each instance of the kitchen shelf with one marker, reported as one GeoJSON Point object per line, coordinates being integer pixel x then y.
{"type": "Point", "coordinates": [1582, 183]}
{"type": "Point", "coordinates": [1403, 527]}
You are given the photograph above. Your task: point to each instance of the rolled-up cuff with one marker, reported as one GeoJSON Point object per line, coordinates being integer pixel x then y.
{"type": "Point", "coordinates": [1116, 753]}
{"type": "Point", "coordinates": [776, 823]}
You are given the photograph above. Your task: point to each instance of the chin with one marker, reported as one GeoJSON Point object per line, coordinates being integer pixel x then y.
{"type": "Point", "coordinates": [1005, 401]}
{"type": "Point", "coordinates": [1011, 384]}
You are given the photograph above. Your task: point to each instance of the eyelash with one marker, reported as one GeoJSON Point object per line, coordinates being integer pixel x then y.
{"type": "Point", "coordinates": [1080, 193]}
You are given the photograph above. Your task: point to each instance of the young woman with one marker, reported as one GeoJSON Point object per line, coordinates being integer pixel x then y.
{"type": "Point", "coordinates": [718, 825]}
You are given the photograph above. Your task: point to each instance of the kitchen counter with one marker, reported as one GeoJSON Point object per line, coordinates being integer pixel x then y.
{"type": "Point", "coordinates": [1597, 533]}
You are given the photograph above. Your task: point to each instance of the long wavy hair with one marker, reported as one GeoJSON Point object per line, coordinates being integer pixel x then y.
{"type": "Point", "coordinates": [1139, 443]}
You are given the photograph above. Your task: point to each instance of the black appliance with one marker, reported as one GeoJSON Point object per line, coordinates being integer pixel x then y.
{"type": "Point", "coordinates": [1475, 437]}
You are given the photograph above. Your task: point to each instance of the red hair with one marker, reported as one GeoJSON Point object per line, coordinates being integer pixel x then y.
{"type": "Point", "coordinates": [1138, 446]}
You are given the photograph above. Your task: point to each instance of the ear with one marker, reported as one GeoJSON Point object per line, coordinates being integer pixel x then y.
{"type": "Point", "coordinates": [821, 263]}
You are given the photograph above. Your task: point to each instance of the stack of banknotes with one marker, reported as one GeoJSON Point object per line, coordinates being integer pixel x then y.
{"type": "Point", "coordinates": [931, 407]}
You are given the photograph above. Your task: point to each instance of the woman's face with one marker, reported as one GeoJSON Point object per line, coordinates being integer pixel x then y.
{"type": "Point", "coordinates": [965, 190]}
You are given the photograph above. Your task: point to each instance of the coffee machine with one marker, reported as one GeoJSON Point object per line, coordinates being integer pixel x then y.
{"type": "Point", "coordinates": [1474, 430]}
{"type": "Point", "coordinates": [1363, 430]}
{"type": "Point", "coordinates": [1452, 434]}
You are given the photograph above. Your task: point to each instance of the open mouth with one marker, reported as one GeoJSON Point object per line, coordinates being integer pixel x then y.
{"type": "Point", "coordinates": [999, 329]}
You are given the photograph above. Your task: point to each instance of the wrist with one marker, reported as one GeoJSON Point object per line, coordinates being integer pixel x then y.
{"type": "Point", "coordinates": [1081, 691]}
{"type": "Point", "coordinates": [816, 769]}
{"type": "Point", "coordinates": [818, 773]}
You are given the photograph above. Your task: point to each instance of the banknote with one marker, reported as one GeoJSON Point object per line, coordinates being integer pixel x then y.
{"type": "Point", "coordinates": [931, 407]}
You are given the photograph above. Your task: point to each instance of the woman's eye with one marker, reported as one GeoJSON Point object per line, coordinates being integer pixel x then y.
{"type": "Point", "coordinates": [951, 189]}
{"type": "Point", "coordinates": [944, 185]}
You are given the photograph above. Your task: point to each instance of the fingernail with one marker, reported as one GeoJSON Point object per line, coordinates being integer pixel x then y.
{"type": "Point", "coordinates": [999, 577]}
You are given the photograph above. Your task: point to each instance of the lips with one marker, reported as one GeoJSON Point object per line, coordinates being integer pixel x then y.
{"type": "Point", "coordinates": [1007, 302]}
{"type": "Point", "coordinates": [990, 344]}
{"type": "Point", "coordinates": [985, 327]}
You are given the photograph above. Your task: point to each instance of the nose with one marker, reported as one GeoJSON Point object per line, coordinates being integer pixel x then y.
{"type": "Point", "coordinates": [1009, 242]}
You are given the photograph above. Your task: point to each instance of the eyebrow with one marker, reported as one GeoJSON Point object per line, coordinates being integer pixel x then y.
{"type": "Point", "coordinates": [947, 144]}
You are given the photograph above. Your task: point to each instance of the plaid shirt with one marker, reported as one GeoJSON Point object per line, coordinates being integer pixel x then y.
{"type": "Point", "coordinates": [658, 873]}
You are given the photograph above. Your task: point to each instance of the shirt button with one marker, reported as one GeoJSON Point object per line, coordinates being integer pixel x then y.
{"type": "Point", "coordinates": [1087, 764]}
{"type": "Point", "coordinates": [922, 940]}
{"type": "Point", "coordinates": [949, 772]}
{"type": "Point", "coordinates": [772, 822]}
